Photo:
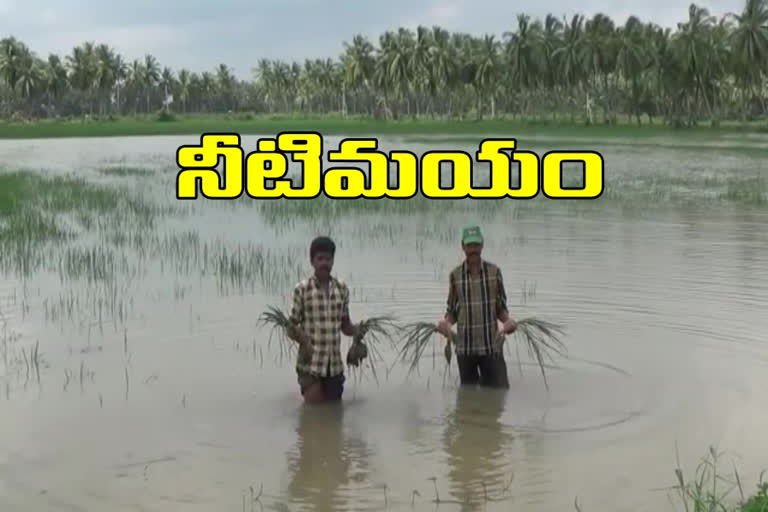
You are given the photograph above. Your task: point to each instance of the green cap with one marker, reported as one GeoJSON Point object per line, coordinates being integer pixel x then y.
{"type": "Point", "coordinates": [472, 235]}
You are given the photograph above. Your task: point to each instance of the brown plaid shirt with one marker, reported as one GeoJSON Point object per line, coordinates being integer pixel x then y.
{"type": "Point", "coordinates": [475, 302]}
{"type": "Point", "coordinates": [320, 316]}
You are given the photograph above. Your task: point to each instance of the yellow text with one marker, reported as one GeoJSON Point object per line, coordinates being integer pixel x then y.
{"type": "Point", "coordinates": [262, 174]}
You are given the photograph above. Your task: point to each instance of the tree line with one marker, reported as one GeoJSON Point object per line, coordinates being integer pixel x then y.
{"type": "Point", "coordinates": [581, 68]}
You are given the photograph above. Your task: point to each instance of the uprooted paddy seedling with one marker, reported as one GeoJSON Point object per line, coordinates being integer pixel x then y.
{"type": "Point", "coordinates": [377, 329]}
{"type": "Point", "coordinates": [541, 338]}
{"type": "Point", "coordinates": [417, 336]}
{"type": "Point", "coordinates": [280, 324]}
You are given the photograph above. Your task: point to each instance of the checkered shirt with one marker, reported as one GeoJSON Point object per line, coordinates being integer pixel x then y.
{"type": "Point", "coordinates": [475, 302]}
{"type": "Point", "coordinates": [320, 316]}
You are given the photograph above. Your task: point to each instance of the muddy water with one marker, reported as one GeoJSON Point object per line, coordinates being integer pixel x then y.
{"type": "Point", "coordinates": [183, 404]}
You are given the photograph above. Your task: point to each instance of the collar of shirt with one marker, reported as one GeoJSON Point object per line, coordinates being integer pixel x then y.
{"type": "Point", "coordinates": [332, 283]}
{"type": "Point", "coordinates": [466, 271]}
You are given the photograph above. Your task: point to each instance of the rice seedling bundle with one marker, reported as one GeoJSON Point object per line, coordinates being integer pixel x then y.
{"type": "Point", "coordinates": [416, 339]}
{"type": "Point", "coordinates": [541, 337]}
{"type": "Point", "coordinates": [375, 328]}
{"type": "Point", "coordinates": [280, 323]}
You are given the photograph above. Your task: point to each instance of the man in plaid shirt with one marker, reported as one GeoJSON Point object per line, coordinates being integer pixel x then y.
{"type": "Point", "coordinates": [476, 302]}
{"type": "Point", "coordinates": [320, 313]}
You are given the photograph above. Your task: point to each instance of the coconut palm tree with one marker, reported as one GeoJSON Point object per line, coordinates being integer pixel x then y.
{"type": "Point", "coordinates": [591, 69]}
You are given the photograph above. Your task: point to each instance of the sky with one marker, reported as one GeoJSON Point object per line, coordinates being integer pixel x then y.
{"type": "Point", "coordinates": [199, 35]}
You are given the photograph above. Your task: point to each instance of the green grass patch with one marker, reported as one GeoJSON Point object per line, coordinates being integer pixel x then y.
{"type": "Point", "coordinates": [749, 191]}
{"type": "Point", "coordinates": [710, 489]}
{"type": "Point", "coordinates": [21, 219]}
{"type": "Point", "coordinates": [175, 124]}
{"type": "Point", "coordinates": [126, 171]}
{"type": "Point", "coordinates": [36, 210]}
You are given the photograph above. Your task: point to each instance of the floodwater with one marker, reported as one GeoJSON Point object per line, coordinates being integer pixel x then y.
{"type": "Point", "coordinates": [180, 403]}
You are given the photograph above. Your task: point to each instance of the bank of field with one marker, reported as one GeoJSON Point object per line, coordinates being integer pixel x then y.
{"type": "Point", "coordinates": [336, 125]}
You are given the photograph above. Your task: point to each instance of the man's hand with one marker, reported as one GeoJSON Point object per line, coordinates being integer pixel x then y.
{"type": "Point", "coordinates": [510, 326]}
{"type": "Point", "coordinates": [305, 351]}
{"type": "Point", "coordinates": [298, 335]}
{"type": "Point", "coordinates": [305, 343]}
{"type": "Point", "coordinates": [353, 330]}
{"type": "Point", "coordinates": [443, 327]}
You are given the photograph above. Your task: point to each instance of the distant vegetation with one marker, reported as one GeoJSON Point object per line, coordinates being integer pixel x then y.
{"type": "Point", "coordinates": [592, 70]}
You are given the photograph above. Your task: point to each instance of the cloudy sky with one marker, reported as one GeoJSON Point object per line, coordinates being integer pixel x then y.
{"type": "Point", "coordinates": [199, 34]}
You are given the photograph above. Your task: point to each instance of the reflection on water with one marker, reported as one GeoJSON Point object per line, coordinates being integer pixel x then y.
{"type": "Point", "coordinates": [326, 460]}
{"type": "Point", "coordinates": [474, 440]}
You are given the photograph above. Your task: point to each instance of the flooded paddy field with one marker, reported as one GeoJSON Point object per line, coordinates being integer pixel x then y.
{"type": "Point", "coordinates": [133, 375]}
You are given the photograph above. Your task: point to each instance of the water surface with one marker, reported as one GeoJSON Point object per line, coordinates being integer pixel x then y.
{"type": "Point", "coordinates": [157, 390]}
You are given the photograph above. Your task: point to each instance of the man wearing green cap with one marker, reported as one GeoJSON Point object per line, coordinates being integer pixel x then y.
{"type": "Point", "coordinates": [477, 301]}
